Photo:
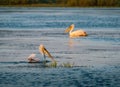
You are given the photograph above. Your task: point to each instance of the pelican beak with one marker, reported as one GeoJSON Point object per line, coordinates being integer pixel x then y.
{"type": "Point", "coordinates": [71, 27]}
{"type": "Point", "coordinates": [68, 30]}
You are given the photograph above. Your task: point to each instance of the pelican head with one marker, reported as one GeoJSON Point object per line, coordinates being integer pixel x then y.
{"type": "Point", "coordinates": [44, 52]}
{"type": "Point", "coordinates": [70, 28]}
{"type": "Point", "coordinates": [41, 49]}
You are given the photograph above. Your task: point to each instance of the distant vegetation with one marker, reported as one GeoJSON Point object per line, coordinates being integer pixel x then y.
{"type": "Point", "coordinates": [63, 3]}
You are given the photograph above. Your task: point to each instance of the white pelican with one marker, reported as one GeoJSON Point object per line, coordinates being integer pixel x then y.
{"type": "Point", "coordinates": [76, 33]}
{"type": "Point", "coordinates": [45, 53]}
{"type": "Point", "coordinates": [32, 59]}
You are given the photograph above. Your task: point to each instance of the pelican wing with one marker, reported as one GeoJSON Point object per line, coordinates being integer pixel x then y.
{"type": "Point", "coordinates": [32, 56]}
{"type": "Point", "coordinates": [78, 33]}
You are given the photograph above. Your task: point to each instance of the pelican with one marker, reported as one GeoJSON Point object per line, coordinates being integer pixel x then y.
{"type": "Point", "coordinates": [32, 59]}
{"type": "Point", "coordinates": [76, 33]}
{"type": "Point", "coordinates": [45, 53]}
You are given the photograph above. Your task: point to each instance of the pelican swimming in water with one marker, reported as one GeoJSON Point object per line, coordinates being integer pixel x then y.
{"type": "Point", "coordinates": [76, 33]}
{"type": "Point", "coordinates": [45, 53]}
{"type": "Point", "coordinates": [32, 59]}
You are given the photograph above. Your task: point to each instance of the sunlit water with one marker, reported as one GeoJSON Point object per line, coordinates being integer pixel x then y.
{"type": "Point", "coordinates": [95, 58]}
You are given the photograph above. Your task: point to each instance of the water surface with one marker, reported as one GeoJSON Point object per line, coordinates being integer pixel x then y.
{"type": "Point", "coordinates": [95, 58]}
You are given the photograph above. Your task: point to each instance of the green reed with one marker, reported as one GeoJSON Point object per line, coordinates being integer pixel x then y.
{"type": "Point", "coordinates": [54, 65]}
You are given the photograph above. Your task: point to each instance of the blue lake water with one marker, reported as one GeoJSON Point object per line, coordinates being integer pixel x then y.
{"type": "Point", "coordinates": [95, 58]}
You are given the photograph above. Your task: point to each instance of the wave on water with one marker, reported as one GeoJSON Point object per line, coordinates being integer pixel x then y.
{"type": "Point", "coordinates": [95, 58]}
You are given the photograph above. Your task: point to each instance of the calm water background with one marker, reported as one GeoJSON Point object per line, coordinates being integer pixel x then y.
{"type": "Point", "coordinates": [95, 58]}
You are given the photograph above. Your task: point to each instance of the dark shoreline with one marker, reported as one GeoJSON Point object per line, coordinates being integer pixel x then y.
{"type": "Point", "coordinates": [57, 5]}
